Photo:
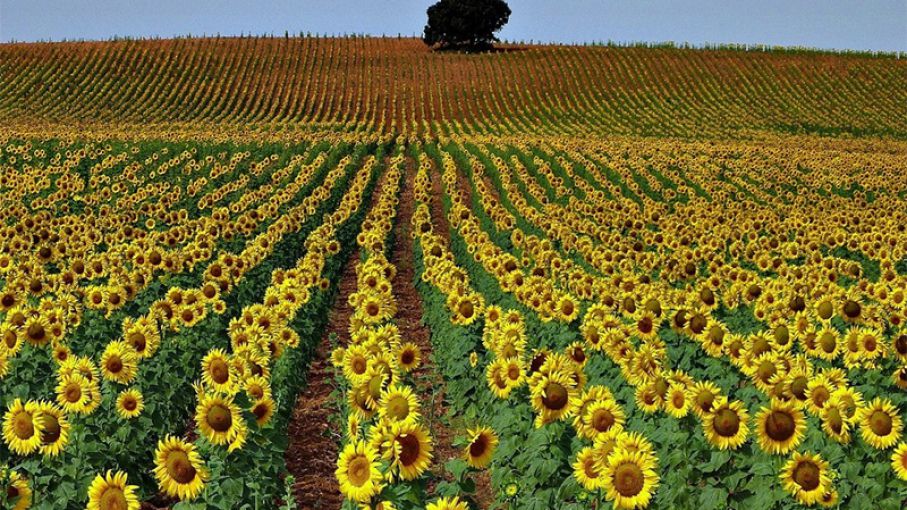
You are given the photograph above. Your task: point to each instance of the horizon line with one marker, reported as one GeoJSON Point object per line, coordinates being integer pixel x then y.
{"type": "Point", "coordinates": [610, 43]}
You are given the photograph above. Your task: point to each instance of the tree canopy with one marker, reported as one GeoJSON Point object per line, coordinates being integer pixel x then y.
{"type": "Point", "coordinates": [465, 24]}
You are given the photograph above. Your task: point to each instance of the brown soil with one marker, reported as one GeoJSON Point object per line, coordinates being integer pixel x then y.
{"type": "Point", "coordinates": [484, 492]}
{"type": "Point", "coordinates": [429, 383]}
{"type": "Point", "coordinates": [312, 453]}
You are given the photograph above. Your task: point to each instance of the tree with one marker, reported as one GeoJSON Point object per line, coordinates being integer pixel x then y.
{"type": "Point", "coordinates": [465, 24]}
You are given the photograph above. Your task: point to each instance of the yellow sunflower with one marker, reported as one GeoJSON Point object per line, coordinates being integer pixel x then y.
{"type": "Point", "coordinates": [73, 393]}
{"type": "Point", "coordinates": [453, 503]}
{"type": "Point", "coordinates": [805, 476]}
{"type": "Point", "coordinates": [179, 469]}
{"type": "Point", "coordinates": [630, 478]}
{"type": "Point", "coordinates": [899, 461]}
{"type": "Point", "coordinates": [587, 470]}
{"type": "Point", "coordinates": [110, 492]}
{"type": "Point", "coordinates": [18, 492]}
{"type": "Point", "coordinates": [218, 418]}
{"type": "Point", "coordinates": [880, 424]}
{"type": "Point", "coordinates": [217, 372]}
{"type": "Point", "coordinates": [119, 363]}
{"type": "Point", "coordinates": [398, 403]}
{"type": "Point", "coordinates": [408, 447]}
{"type": "Point", "coordinates": [482, 444]}
{"type": "Point", "coordinates": [54, 428]}
{"type": "Point", "coordinates": [780, 427]}
{"type": "Point", "coordinates": [263, 410]}
{"type": "Point", "coordinates": [552, 396]}
{"type": "Point", "coordinates": [725, 426]}
{"type": "Point", "coordinates": [130, 403]}
{"type": "Point", "coordinates": [358, 471]}
{"type": "Point", "coordinates": [22, 427]}
{"type": "Point", "coordinates": [408, 357]}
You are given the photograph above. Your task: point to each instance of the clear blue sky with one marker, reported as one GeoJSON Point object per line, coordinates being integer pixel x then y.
{"type": "Point", "coordinates": [835, 24]}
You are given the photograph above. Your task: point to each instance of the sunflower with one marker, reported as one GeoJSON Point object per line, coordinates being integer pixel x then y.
{"type": "Point", "coordinates": [483, 442]}
{"type": "Point", "coordinates": [586, 470]}
{"type": "Point", "coordinates": [17, 491]}
{"type": "Point", "coordinates": [358, 471]}
{"type": "Point", "coordinates": [899, 461]}
{"type": "Point", "coordinates": [257, 387]}
{"type": "Point", "coordinates": [110, 492]}
{"type": "Point", "coordinates": [119, 362]}
{"type": "Point", "coordinates": [398, 403]}
{"type": "Point", "coordinates": [54, 428]}
{"type": "Point", "coordinates": [22, 427]}
{"type": "Point", "coordinates": [630, 478]}
{"type": "Point", "coordinates": [552, 396]}
{"type": "Point", "coordinates": [453, 503]}
{"type": "Point", "coordinates": [702, 396]}
{"type": "Point", "coordinates": [37, 330]}
{"type": "Point", "coordinates": [408, 447]}
{"type": "Point", "coordinates": [408, 357]}
{"type": "Point", "coordinates": [142, 334]}
{"type": "Point", "coordinates": [725, 426]}
{"type": "Point", "coordinates": [179, 469]}
{"type": "Point", "coordinates": [880, 424]}
{"type": "Point", "coordinates": [263, 410]}
{"type": "Point", "coordinates": [676, 402]}
{"type": "Point", "coordinates": [806, 477]}
{"type": "Point", "coordinates": [598, 417]}
{"type": "Point", "coordinates": [356, 364]}
{"type": "Point", "coordinates": [818, 391]}
{"type": "Point", "coordinates": [780, 427]}
{"type": "Point", "coordinates": [217, 372]}
{"type": "Point", "coordinates": [130, 403]}
{"type": "Point", "coordinates": [219, 419]}
{"type": "Point", "coordinates": [73, 392]}
{"type": "Point", "coordinates": [835, 422]}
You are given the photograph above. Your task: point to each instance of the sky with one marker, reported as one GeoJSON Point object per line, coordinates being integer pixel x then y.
{"type": "Point", "coordinates": [875, 25]}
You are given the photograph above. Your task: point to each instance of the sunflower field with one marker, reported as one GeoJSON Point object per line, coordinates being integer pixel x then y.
{"type": "Point", "coordinates": [346, 273]}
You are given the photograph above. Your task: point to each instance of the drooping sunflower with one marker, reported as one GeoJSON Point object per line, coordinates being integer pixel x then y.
{"type": "Point", "coordinates": [835, 422]}
{"type": "Point", "coordinates": [218, 418]}
{"type": "Point", "coordinates": [630, 478]}
{"type": "Point", "coordinates": [880, 424]}
{"type": "Point", "coordinates": [408, 447]}
{"type": "Point", "coordinates": [22, 427]}
{"type": "Point", "coordinates": [54, 428]}
{"type": "Point", "coordinates": [481, 447]}
{"type": "Point", "coordinates": [780, 427]}
{"type": "Point", "coordinates": [110, 492]}
{"type": "Point", "coordinates": [726, 425]}
{"type": "Point", "coordinates": [130, 403]}
{"type": "Point", "coordinates": [179, 469]}
{"type": "Point", "coordinates": [358, 471]}
{"type": "Point", "coordinates": [18, 492]}
{"type": "Point", "coordinates": [587, 469]}
{"type": "Point", "coordinates": [805, 476]}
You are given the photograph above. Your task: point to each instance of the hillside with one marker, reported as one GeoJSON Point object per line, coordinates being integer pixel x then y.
{"type": "Point", "coordinates": [396, 85]}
